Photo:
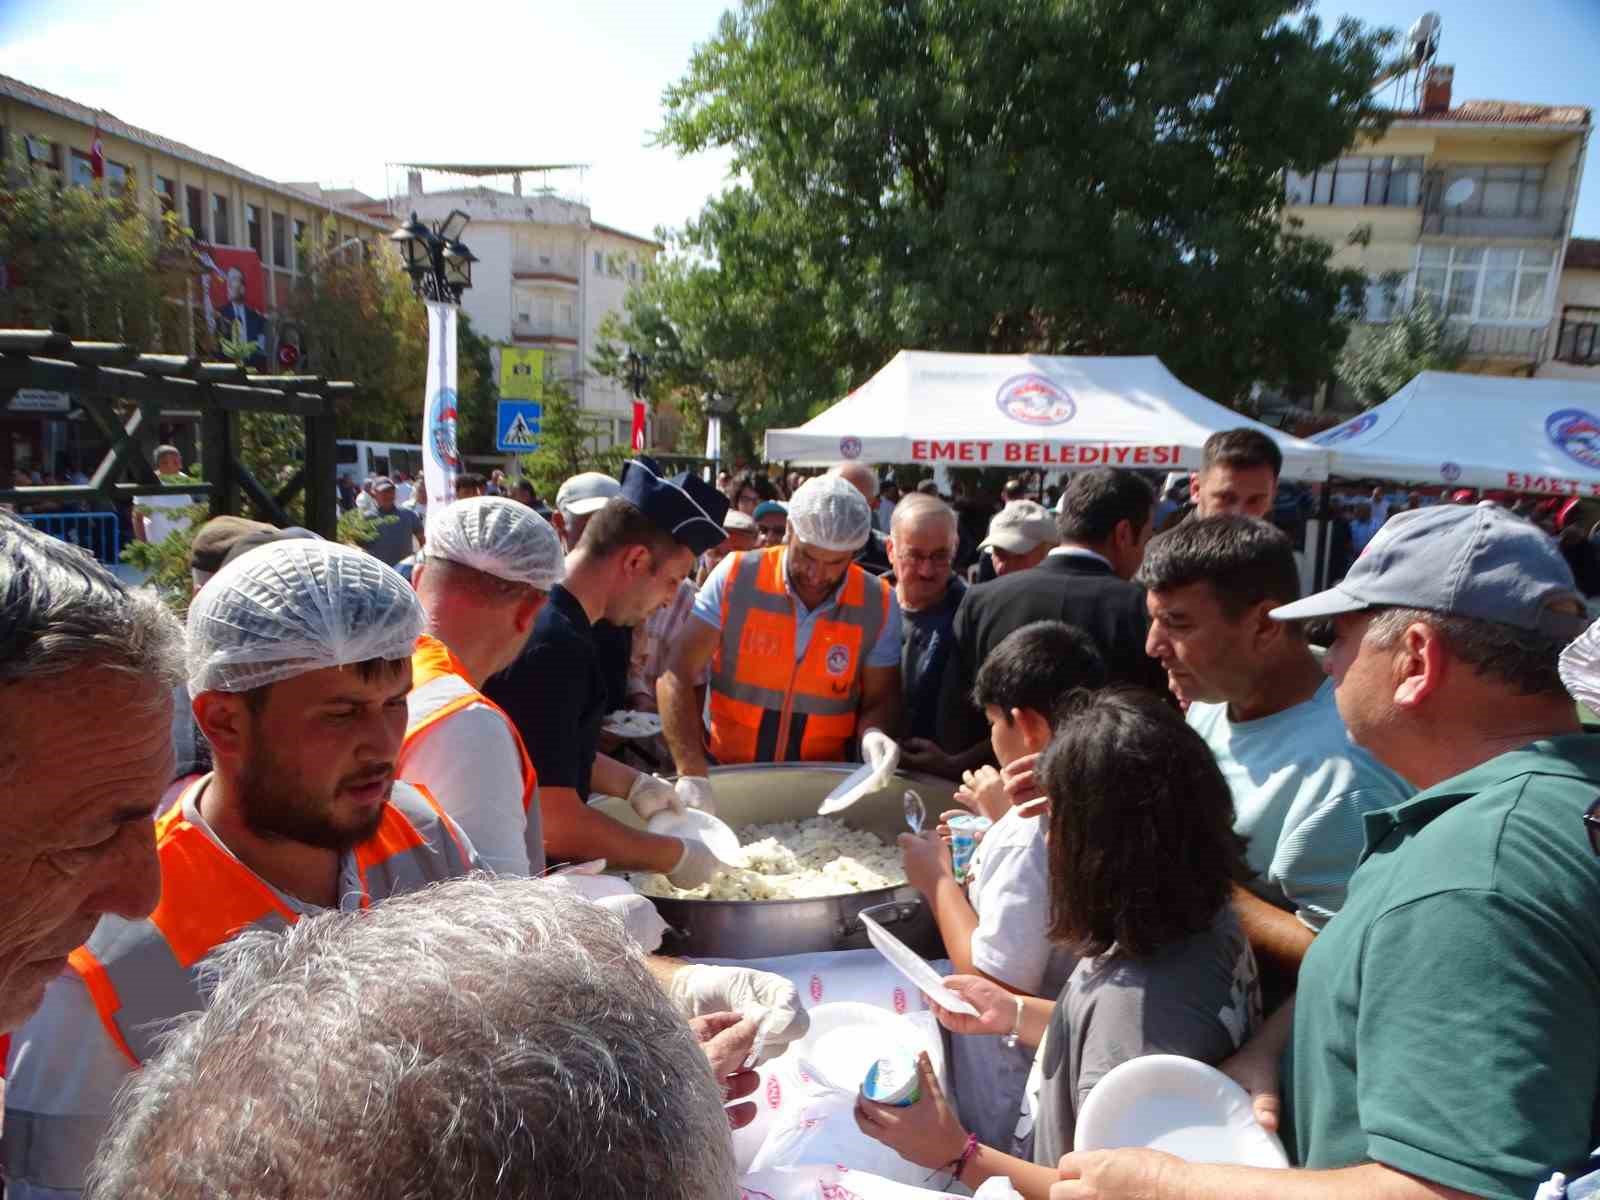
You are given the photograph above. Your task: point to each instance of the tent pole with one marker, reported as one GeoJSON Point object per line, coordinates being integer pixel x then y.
{"type": "Point", "coordinates": [1324, 546]}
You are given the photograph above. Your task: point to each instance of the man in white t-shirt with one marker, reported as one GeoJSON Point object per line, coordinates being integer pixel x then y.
{"type": "Point", "coordinates": [1259, 698]}
{"type": "Point", "coordinates": [154, 517]}
{"type": "Point", "coordinates": [999, 926]}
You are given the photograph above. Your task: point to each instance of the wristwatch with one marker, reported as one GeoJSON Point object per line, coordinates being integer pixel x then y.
{"type": "Point", "coordinates": [1011, 1039]}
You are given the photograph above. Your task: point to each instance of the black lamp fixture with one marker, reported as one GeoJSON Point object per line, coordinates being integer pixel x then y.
{"type": "Point", "coordinates": [718, 404]}
{"type": "Point", "coordinates": [636, 366]}
{"type": "Point", "coordinates": [439, 264]}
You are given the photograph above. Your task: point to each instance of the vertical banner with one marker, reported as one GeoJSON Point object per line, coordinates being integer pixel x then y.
{"type": "Point", "coordinates": [440, 462]}
{"type": "Point", "coordinates": [713, 444]}
{"type": "Point", "coordinates": [637, 440]}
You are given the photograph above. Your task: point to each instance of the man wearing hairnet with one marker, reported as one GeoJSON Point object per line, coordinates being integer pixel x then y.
{"type": "Point", "coordinates": [803, 646]}
{"type": "Point", "coordinates": [299, 661]}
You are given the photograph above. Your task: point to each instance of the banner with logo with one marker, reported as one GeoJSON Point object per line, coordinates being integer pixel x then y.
{"type": "Point", "coordinates": [440, 463]}
{"type": "Point", "coordinates": [637, 440]}
{"type": "Point", "coordinates": [521, 373]}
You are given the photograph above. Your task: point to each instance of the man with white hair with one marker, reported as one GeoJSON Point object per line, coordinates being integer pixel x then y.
{"type": "Point", "coordinates": [487, 571]}
{"type": "Point", "coordinates": [874, 553]}
{"type": "Point", "coordinates": [803, 645]}
{"type": "Point", "coordinates": [299, 662]}
{"type": "Point", "coordinates": [480, 1040]}
{"type": "Point", "coordinates": [87, 669]}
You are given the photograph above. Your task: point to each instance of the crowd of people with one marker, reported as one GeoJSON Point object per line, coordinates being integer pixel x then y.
{"type": "Point", "coordinates": [1345, 846]}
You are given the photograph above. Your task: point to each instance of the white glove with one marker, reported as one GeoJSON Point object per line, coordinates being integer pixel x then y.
{"type": "Point", "coordinates": [650, 794]}
{"type": "Point", "coordinates": [882, 752]}
{"type": "Point", "coordinates": [637, 913]}
{"type": "Point", "coordinates": [697, 865]}
{"type": "Point", "coordinates": [695, 792]}
{"type": "Point", "coordinates": [702, 988]}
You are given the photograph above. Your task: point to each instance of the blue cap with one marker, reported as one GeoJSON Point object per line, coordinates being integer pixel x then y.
{"type": "Point", "coordinates": [768, 508]}
{"type": "Point", "coordinates": [1479, 562]}
{"type": "Point", "coordinates": [684, 505]}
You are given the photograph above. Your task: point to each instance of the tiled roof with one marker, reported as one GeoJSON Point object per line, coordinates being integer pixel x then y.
{"type": "Point", "coordinates": [1504, 112]}
{"type": "Point", "coordinates": [1583, 254]}
{"type": "Point", "coordinates": [26, 93]}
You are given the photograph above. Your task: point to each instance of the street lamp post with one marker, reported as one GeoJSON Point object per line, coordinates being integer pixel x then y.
{"type": "Point", "coordinates": [635, 366]}
{"type": "Point", "coordinates": [439, 264]}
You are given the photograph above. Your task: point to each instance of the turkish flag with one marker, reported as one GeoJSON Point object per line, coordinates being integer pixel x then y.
{"type": "Point", "coordinates": [638, 424]}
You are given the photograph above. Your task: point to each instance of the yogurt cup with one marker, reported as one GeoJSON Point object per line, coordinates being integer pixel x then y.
{"type": "Point", "coordinates": [893, 1080]}
{"type": "Point", "coordinates": [964, 830]}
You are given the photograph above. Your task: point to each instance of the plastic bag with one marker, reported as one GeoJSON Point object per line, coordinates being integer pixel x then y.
{"type": "Point", "coordinates": [829, 1183]}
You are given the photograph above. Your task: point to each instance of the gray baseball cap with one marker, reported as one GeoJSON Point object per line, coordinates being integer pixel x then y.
{"type": "Point", "coordinates": [1465, 561]}
{"type": "Point", "coordinates": [1021, 527]}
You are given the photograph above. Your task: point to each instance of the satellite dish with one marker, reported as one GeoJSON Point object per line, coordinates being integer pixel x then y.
{"type": "Point", "coordinates": [1459, 192]}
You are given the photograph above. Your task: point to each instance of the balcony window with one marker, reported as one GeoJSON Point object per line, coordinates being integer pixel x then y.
{"type": "Point", "coordinates": [1358, 181]}
{"type": "Point", "coordinates": [1496, 191]}
{"type": "Point", "coordinates": [1478, 284]}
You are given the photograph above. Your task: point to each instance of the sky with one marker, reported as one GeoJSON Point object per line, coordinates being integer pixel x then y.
{"type": "Point", "coordinates": [329, 90]}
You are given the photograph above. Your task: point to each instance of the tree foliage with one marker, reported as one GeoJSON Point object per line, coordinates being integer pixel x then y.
{"type": "Point", "coordinates": [1380, 360]}
{"type": "Point", "coordinates": [567, 446]}
{"type": "Point", "coordinates": [90, 263]}
{"type": "Point", "coordinates": [1054, 176]}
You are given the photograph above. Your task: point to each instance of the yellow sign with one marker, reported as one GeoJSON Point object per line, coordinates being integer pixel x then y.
{"type": "Point", "coordinates": [521, 373]}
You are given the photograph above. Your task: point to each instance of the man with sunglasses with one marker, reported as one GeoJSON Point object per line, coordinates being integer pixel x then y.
{"type": "Point", "coordinates": [922, 546]}
{"type": "Point", "coordinates": [1443, 1043]}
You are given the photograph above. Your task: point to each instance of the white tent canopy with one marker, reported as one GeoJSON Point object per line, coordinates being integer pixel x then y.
{"type": "Point", "coordinates": [1477, 431]}
{"type": "Point", "coordinates": [1026, 411]}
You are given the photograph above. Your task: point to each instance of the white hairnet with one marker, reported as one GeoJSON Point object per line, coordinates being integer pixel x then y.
{"type": "Point", "coordinates": [290, 607]}
{"type": "Point", "coordinates": [830, 514]}
{"type": "Point", "coordinates": [1580, 668]}
{"type": "Point", "coordinates": [499, 537]}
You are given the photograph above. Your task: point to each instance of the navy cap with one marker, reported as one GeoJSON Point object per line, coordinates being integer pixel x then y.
{"type": "Point", "coordinates": [684, 505]}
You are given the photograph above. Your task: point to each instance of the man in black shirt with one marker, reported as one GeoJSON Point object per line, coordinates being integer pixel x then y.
{"type": "Point", "coordinates": [922, 546]}
{"type": "Point", "coordinates": [630, 560]}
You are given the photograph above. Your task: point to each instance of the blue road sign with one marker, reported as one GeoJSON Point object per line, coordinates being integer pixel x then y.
{"type": "Point", "coordinates": [517, 428]}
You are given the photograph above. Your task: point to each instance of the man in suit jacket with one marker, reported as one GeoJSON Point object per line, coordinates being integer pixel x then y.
{"type": "Point", "coordinates": [1105, 522]}
{"type": "Point", "coordinates": [238, 321]}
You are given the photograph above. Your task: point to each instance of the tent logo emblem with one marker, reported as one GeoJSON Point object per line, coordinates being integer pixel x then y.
{"type": "Point", "coordinates": [1034, 400]}
{"type": "Point", "coordinates": [1576, 434]}
{"type": "Point", "coordinates": [1351, 430]}
{"type": "Point", "coordinates": [1450, 472]}
{"type": "Point", "coordinates": [850, 447]}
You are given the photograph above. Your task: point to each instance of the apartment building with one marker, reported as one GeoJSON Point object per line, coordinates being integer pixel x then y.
{"type": "Point", "coordinates": [546, 277]}
{"type": "Point", "coordinates": [1469, 204]}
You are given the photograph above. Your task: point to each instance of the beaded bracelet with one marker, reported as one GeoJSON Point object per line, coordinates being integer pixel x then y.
{"type": "Point", "coordinates": [957, 1165]}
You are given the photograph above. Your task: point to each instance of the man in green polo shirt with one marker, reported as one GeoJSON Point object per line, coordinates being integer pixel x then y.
{"type": "Point", "coordinates": [1445, 1041]}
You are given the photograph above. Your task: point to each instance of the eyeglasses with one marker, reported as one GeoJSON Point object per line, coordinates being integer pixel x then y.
{"type": "Point", "coordinates": [1591, 823]}
{"type": "Point", "coordinates": [773, 530]}
{"type": "Point", "coordinates": [940, 560]}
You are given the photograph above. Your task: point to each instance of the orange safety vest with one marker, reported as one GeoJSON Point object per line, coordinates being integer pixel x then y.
{"type": "Point", "coordinates": [765, 705]}
{"type": "Point", "coordinates": [432, 660]}
{"type": "Point", "coordinates": [141, 974]}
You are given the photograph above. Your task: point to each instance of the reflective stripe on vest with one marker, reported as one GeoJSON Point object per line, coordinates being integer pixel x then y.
{"type": "Point", "coordinates": [766, 706]}
{"type": "Point", "coordinates": [432, 660]}
{"type": "Point", "coordinates": [142, 974]}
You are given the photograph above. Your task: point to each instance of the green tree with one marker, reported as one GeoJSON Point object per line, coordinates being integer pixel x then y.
{"type": "Point", "coordinates": [478, 393]}
{"type": "Point", "coordinates": [568, 446]}
{"type": "Point", "coordinates": [1382, 359]}
{"type": "Point", "coordinates": [1054, 176]}
{"type": "Point", "coordinates": [89, 262]}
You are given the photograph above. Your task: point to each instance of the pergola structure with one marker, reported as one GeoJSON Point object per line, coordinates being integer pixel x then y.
{"type": "Point", "coordinates": [128, 394]}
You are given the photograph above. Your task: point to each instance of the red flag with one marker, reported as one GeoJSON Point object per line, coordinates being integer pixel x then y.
{"type": "Point", "coordinates": [638, 424]}
{"type": "Point", "coordinates": [97, 153]}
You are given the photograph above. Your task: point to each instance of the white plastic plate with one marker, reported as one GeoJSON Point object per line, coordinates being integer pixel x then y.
{"type": "Point", "coordinates": [1179, 1105]}
{"type": "Point", "coordinates": [703, 827]}
{"type": "Point", "coordinates": [854, 786]}
{"type": "Point", "coordinates": [910, 964]}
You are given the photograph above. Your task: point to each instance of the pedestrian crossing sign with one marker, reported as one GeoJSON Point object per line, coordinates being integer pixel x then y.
{"type": "Point", "coordinates": [517, 428]}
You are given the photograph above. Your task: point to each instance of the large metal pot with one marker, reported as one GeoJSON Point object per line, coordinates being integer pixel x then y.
{"type": "Point", "coordinates": [764, 792]}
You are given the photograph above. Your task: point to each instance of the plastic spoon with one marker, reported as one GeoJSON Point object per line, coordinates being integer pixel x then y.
{"type": "Point", "coordinates": [915, 812]}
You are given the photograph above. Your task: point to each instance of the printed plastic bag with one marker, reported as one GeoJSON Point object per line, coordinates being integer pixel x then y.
{"type": "Point", "coordinates": [829, 1183]}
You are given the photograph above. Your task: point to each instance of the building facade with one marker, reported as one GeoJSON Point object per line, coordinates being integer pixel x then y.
{"type": "Point", "coordinates": [1468, 204]}
{"type": "Point", "coordinates": [251, 233]}
{"type": "Point", "coordinates": [546, 277]}
{"type": "Point", "coordinates": [1575, 351]}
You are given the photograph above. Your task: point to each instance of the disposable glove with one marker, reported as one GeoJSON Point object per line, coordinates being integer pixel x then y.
{"type": "Point", "coordinates": [650, 794]}
{"type": "Point", "coordinates": [637, 913]}
{"type": "Point", "coordinates": [881, 751]}
{"type": "Point", "coordinates": [697, 865]}
{"type": "Point", "coordinates": [771, 999]}
{"type": "Point", "coordinates": [695, 792]}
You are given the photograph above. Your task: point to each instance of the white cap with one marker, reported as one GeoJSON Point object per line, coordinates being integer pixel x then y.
{"type": "Point", "coordinates": [830, 514]}
{"type": "Point", "coordinates": [1021, 527]}
{"type": "Point", "coordinates": [586, 493]}
{"type": "Point", "coordinates": [291, 607]}
{"type": "Point", "coordinates": [500, 537]}
{"type": "Point", "coordinates": [738, 522]}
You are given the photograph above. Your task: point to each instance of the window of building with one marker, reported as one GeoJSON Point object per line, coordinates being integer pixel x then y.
{"type": "Point", "coordinates": [43, 153]}
{"type": "Point", "coordinates": [252, 229]}
{"type": "Point", "coordinates": [299, 241]}
{"type": "Point", "coordinates": [194, 204]}
{"type": "Point", "coordinates": [599, 262]}
{"type": "Point", "coordinates": [633, 271]}
{"type": "Point", "coordinates": [280, 241]}
{"type": "Point", "coordinates": [167, 193]}
{"type": "Point", "coordinates": [1485, 284]}
{"type": "Point", "coordinates": [82, 173]}
{"type": "Point", "coordinates": [1357, 181]}
{"type": "Point", "coordinates": [116, 174]}
{"type": "Point", "coordinates": [1383, 298]}
{"type": "Point", "coordinates": [1579, 339]}
{"type": "Point", "coordinates": [1496, 191]}
{"type": "Point", "coordinates": [221, 227]}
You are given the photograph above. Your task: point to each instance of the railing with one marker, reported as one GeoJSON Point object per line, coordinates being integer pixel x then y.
{"type": "Point", "coordinates": [562, 265]}
{"type": "Point", "coordinates": [1444, 222]}
{"type": "Point", "coordinates": [545, 327]}
{"type": "Point", "coordinates": [1507, 341]}
{"type": "Point", "coordinates": [98, 533]}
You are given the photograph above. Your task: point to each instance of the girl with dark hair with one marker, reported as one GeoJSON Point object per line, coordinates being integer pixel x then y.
{"type": "Point", "coordinates": [1142, 861]}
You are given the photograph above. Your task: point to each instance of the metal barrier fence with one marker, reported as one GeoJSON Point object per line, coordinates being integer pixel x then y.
{"type": "Point", "coordinates": [98, 533]}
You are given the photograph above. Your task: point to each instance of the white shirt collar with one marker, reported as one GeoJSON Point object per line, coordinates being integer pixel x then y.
{"type": "Point", "coordinates": [1079, 552]}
